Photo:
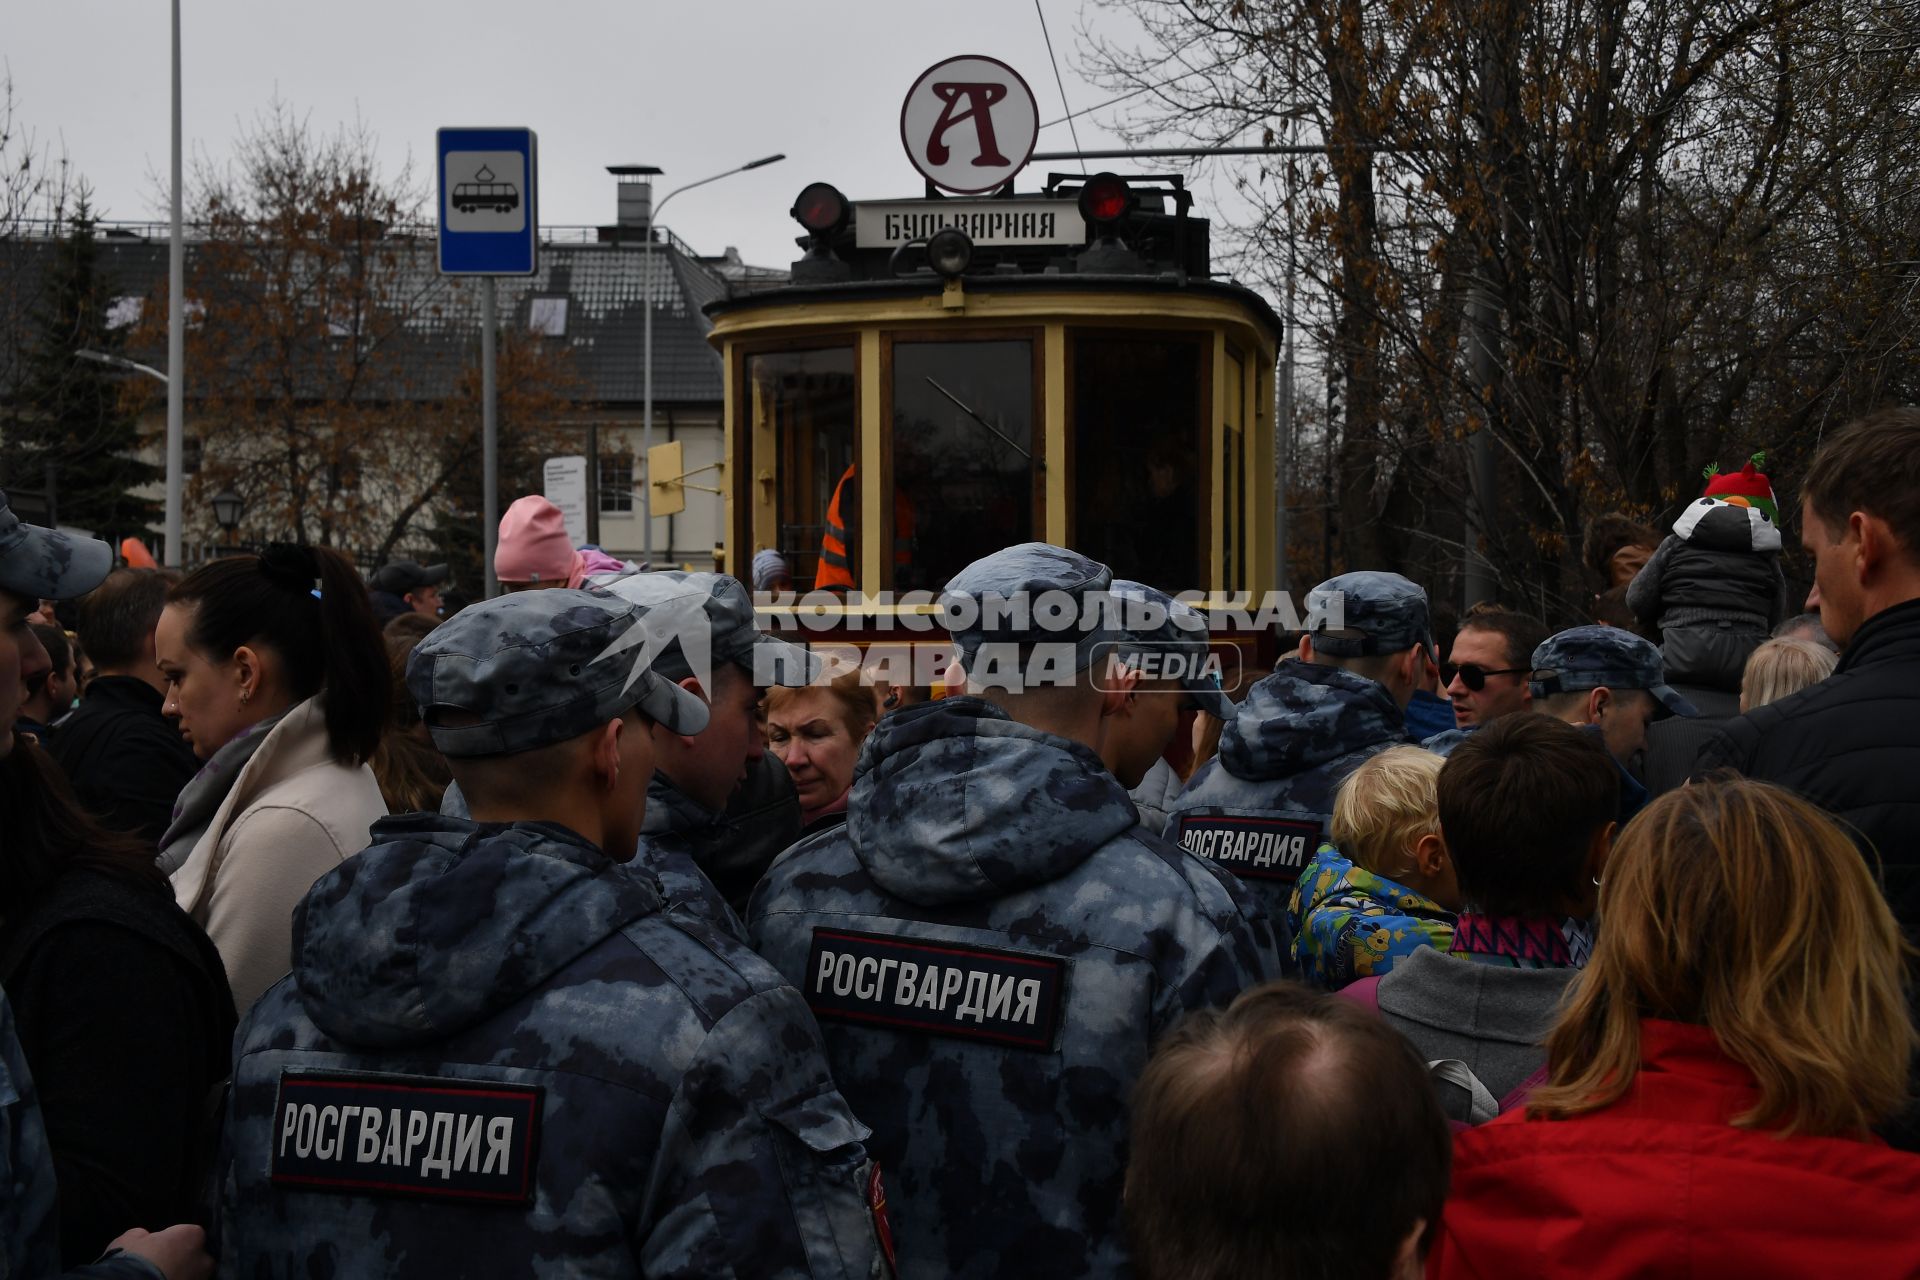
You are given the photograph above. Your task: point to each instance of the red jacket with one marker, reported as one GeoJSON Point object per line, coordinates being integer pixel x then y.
{"type": "Point", "coordinates": [1661, 1185]}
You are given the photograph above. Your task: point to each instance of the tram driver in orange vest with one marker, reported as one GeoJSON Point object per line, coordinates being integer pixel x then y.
{"type": "Point", "coordinates": [835, 572]}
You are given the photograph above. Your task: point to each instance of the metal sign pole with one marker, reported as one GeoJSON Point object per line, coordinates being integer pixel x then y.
{"type": "Point", "coordinates": [176, 335]}
{"type": "Point", "coordinates": [489, 226]}
{"type": "Point", "coordinates": [490, 430]}
{"type": "Point", "coordinates": [646, 413]}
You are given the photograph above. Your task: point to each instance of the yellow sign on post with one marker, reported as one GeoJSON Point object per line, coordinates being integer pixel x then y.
{"type": "Point", "coordinates": [666, 472]}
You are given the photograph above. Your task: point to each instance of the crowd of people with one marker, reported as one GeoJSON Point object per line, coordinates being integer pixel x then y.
{"type": "Point", "coordinates": [594, 930]}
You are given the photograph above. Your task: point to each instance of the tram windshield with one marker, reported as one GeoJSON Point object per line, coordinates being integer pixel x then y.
{"type": "Point", "coordinates": [1139, 453]}
{"type": "Point", "coordinates": [963, 474]}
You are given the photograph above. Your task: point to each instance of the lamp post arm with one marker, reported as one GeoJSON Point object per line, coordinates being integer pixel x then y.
{"type": "Point", "coordinates": [653, 217]}
{"type": "Point", "coordinates": [120, 362]}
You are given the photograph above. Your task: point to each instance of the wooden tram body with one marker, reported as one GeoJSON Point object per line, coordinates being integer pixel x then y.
{"type": "Point", "coordinates": [1107, 393]}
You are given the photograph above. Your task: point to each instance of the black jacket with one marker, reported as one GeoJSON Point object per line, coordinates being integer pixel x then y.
{"type": "Point", "coordinates": [1851, 744]}
{"type": "Point", "coordinates": [126, 761]}
{"type": "Point", "coordinates": [127, 1024]}
{"type": "Point", "coordinates": [1674, 743]}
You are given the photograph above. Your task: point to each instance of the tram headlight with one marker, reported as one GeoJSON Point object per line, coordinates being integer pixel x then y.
{"type": "Point", "coordinates": [950, 252]}
{"type": "Point", "coordinates": [1105, 200]}
{"type": "Point", "coordinates": [821, 209]}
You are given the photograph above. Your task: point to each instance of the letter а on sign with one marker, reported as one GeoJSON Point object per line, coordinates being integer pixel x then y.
{"type": "Point", "coordinates": [969, 124]}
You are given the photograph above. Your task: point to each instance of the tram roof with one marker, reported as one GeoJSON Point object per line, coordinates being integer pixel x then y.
{"type": "Point", "coordinates": [1169, 253]}
{"type": "Point", "coordinates": [923, 283]}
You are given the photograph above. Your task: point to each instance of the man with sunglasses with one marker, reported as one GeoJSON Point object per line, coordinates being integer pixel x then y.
{"type": "Point", "coordinates": [1260, 808]}
{"type": "Point", "coordinates": [1612, 683]}
{"type": "Point", "coordinates": [1487, 671]}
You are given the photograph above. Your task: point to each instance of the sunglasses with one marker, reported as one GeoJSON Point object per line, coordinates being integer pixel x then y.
{"type": "Point", "coordinates": [1474, 676]}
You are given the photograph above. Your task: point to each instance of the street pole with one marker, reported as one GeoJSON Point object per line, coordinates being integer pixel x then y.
{"type": "Point", "coordinates": [646, 420]}
{"type": "Point", "coordinates": [1283, 423]}
{"type": "Point", "coordinates": [176, 334]}
{"type": "Point", "coordinates": [646, 412]}
{"type": "Point", "coordinates": [489, 432]}
{"type": "Point", "coordinates": [1483, 364]}
{"type": "Point", "coordinates": [1482, 315]}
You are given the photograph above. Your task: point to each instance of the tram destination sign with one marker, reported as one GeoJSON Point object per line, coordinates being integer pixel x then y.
{"type": "Point", "coordinates": [889, 224]}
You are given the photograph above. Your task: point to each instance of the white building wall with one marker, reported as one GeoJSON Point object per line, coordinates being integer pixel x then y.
{"type": "Point", "coordinates": [686, 540]}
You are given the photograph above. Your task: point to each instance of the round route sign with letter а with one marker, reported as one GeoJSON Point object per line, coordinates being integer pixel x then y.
{"type": "Point", "coordinates": [969, 124]}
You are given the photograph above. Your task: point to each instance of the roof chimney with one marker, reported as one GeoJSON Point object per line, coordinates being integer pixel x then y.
{"type": "Point", "coordinates": [635, 210]}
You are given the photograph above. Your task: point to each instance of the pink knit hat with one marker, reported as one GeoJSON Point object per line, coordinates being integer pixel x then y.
{"type": "Point", "coordinates": [534, 546]}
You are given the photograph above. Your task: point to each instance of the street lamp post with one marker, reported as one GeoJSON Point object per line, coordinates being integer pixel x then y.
{"type": "Point", "coordinates": [647, 173]}
{"type": "Point", "coordinates": [176, 330]}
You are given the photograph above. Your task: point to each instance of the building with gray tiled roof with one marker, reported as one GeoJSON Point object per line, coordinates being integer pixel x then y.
{"type": "Point", "coordinates": [589, 295]}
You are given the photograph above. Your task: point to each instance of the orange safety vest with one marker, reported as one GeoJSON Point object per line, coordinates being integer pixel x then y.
{"type": "Point", "coordinates": [834, 570]}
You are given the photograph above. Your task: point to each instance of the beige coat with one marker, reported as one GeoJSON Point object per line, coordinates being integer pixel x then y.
{"type": "Point", "coordinates": [292, 816]}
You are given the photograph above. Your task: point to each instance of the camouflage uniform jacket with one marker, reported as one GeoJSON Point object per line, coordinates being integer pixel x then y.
{"type": "Point", "coordinates": [1260, 808]}
{"type": "Point", "coordinates": [1350, 923]}
{"type": "Point", "coordinates": [993, 943]}
{"type": "Point", "coordinates": [678, 836]}
{"type": "Point", "coordinates": [496, 1053]}
{"type": "Point", "coordinates": [674, 835]}
{"type": "Point", "coordinates": [29, 1226]}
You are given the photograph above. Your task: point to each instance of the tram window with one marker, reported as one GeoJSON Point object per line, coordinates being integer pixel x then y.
{"type": "Point", "coordinates": [1137, 455]}
{"type": "Point", "coordinates": [807, 399]}
{"type": "Point", "coordinates": [962, 481]}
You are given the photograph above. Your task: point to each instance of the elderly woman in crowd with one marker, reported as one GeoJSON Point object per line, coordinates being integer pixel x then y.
{"type": "Point", "coordinates": [816, 731]}
{"type": "Point", "coordinates": [1715, 1078]}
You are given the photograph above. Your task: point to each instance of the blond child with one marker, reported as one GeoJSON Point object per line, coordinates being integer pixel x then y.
{"type": "Point", "coordinates": [1383, 885]}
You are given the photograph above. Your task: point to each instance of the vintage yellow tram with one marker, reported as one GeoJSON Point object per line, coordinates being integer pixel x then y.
{"type": "Point", "coordinates": [943, 377]}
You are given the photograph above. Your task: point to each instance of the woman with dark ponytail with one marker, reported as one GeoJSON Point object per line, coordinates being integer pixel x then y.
{"type": "Point", "coordinates": [277, 677]}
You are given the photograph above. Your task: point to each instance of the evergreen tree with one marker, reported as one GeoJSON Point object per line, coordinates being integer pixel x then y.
{"type": "Point", "coordinates": [71, 413]}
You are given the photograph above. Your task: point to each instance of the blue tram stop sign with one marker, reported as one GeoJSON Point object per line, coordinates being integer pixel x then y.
{"type": "Point", "coordinates": [489, 213]}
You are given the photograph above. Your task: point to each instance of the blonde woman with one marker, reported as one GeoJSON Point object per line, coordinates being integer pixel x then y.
{"type": "Point", "coordinates": [1781, 667]}
{"type": "Point", "coordinates": [1716, 1073]}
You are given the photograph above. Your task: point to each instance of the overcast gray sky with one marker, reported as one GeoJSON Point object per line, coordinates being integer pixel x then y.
{"type": "Point", "coordinates": [694, 86]}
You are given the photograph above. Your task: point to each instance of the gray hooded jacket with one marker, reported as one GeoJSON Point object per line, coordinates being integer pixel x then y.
{"type": "Point", "coordinates": [496, 1050]}
{"type": "Point", "coordinates": [993, 943]}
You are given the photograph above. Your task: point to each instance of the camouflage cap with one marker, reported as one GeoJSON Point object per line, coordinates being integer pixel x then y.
{"type": "Point", "coordinates": [1154, 622]}
{"type": "Point", "coordinates": [540, 667]}
{"type": "Point", "coordinates": [1378, 613]}
{"type": "Point", "coordinates": [45, 564]}
{"type": "Point", "coordinates": [1026, 595]}
{"type": "Point", "coordinates": [701, 616]}
{"type": "Point", "coordinates": [1596, 657]}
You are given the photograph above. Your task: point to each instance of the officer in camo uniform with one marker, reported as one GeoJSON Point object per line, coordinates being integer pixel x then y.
{"type": "Point", "coordinates": [497, 1054]}
{"type": "Point", "coordinates": [1259, 809]}
{"type": "Point", "coordinates": [1165, 635]}
{"type": "Point", "coordinates": [1611, 683]}
{"type": "Point", "coordinates": [993, 943]}
{"type": "Point", "coordinates": [702, 859]}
